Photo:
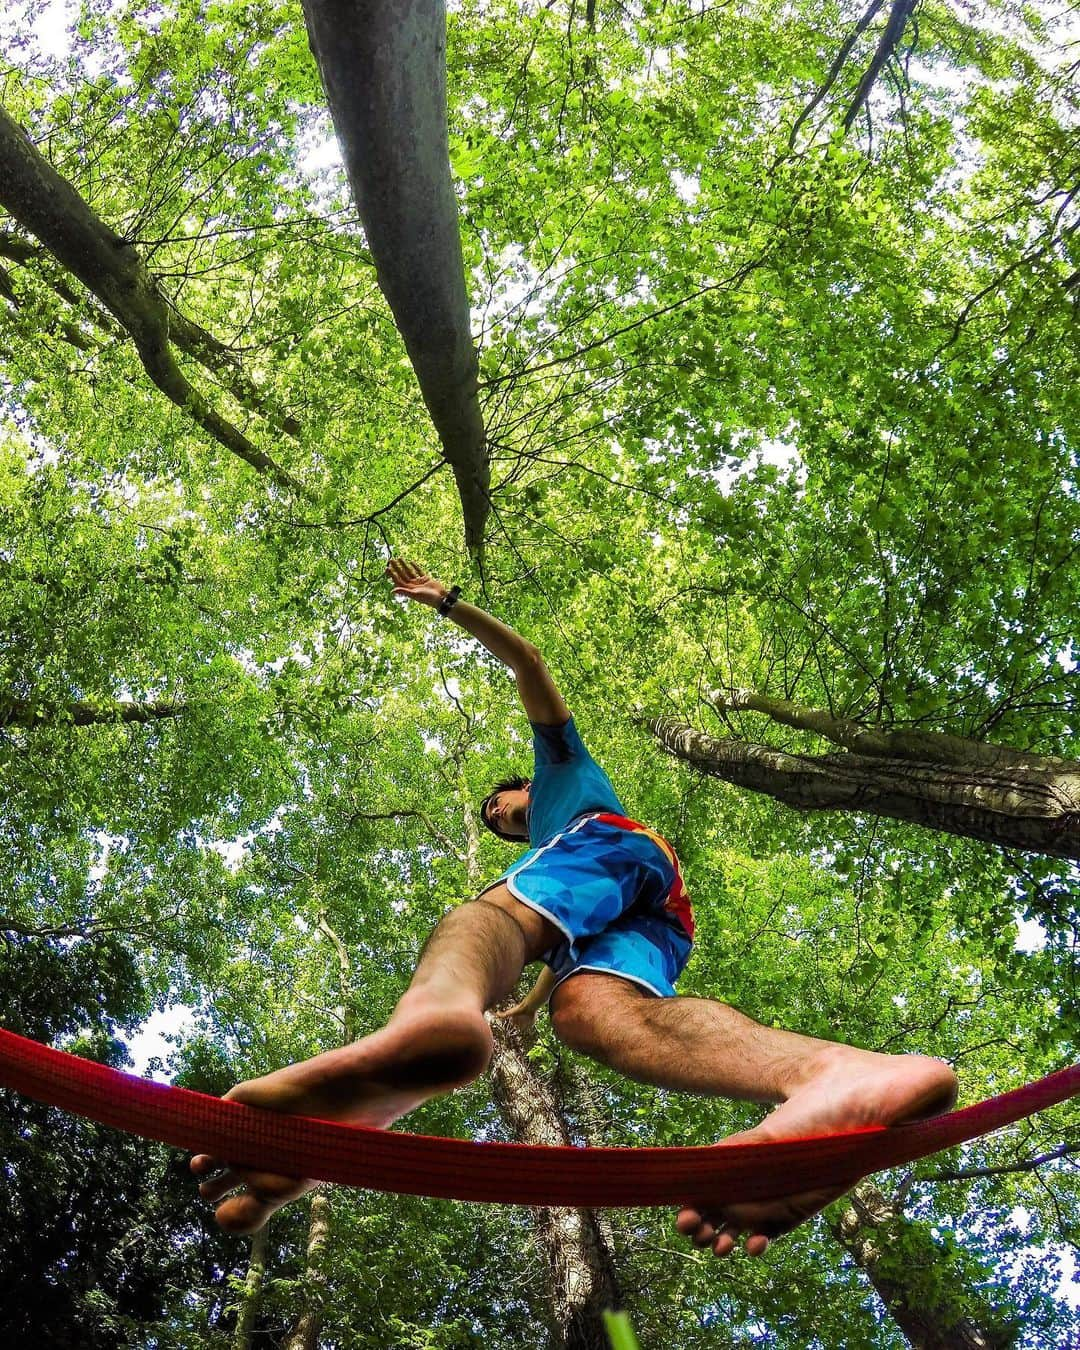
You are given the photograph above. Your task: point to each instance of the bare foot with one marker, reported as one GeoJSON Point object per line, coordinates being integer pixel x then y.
{"type": "Point", "coordinates": [852, 1089]}
{"type": "Point", "coordinates": [423, 1051]}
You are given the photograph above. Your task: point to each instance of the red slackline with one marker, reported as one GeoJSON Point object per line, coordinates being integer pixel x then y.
{"type": "Point", "coordinates": [518, 1174]}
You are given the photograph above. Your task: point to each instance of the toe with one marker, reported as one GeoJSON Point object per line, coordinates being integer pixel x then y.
{"type": "Point", "coordinates": [692, 1224]}
{"type": "Point", "coordinates": [242, 1213]}
{"type": "Point", "coordinates": [705, 1235]}
{"type": "Point", "coordinates": [726, 1241]}
{"type": "Point", "coordinates": [213, 1188]}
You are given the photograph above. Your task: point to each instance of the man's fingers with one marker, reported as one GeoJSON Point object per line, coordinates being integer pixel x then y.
{"type": "Point", "coordinates": [403, 573]}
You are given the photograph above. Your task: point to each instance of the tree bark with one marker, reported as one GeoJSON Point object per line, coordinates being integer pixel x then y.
{"type": "Point", "coordinates": [580, 1270]}
{"type": "Point", "coordinates": [305, 1334]}
{"type": "Point", "coordinates": [253, 1288]}
{"type": "Point", "coordinates": [49, 207]}
{"type": "Point", "coordinates": [383, 66]}
{"type": "Point", "coordinates": [1006, 797]}
{"type": "Point", "coordinates": [308, 1327]}
{"type": "Point", "coordinates": [21, 712]}
{"type": "Point", "coordinates": [899, 15]}
{"type": "Point", "coordinates": [575, 1244]}
{"type": "Point", "coordinates": [926, 746]}
{"type": "Point", "coordinates": [931, 1303]}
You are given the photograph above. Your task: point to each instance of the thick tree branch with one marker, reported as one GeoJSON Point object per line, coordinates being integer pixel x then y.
{"type": "Point", "coordinates": [20, 712]}
{"type": "Point", "coordinates": [383, 65]}
{"type": "Point", "coordinates": [835, 69]}
{"type": "Point", "coordinates": [1012, 806]}
{"type": "Point", "coordinates": [926, 746]}
{"type": "Point", "coordinates": [49, 207]}
{"type": "Point", "coordinates": [930, 1302]}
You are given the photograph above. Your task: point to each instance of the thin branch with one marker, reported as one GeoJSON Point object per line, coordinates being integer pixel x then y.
{"type": "Point", "coordinates": [894, 31]}
{"type": "Point", "coordinates": [1028, 1165]}
{"type": "Point", "coordinates": [835, 69]}
{"type": "Point", "coordinates": [740, 274]}
{"type": "Point", "coordinates": [381, 511]}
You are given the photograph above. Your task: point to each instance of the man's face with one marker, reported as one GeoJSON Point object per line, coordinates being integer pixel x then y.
{"type": "Point", "coordinates": [507, 811]}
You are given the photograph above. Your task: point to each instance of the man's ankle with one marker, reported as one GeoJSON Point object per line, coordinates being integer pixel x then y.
{"type": "Point", "coordinates": [435, 998]}
{"type": "Point", "coordinates": [821, 1060]}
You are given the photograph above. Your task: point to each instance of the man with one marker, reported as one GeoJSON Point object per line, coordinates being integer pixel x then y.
{"type": "Point", "coordinates": [598, 899]}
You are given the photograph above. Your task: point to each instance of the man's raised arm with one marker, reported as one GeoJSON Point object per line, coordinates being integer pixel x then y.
{"type": "Point", "coordinates": [541, 699]}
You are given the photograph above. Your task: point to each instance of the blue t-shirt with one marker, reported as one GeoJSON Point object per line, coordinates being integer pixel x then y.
{"type": "Point", "coordinates": [566, 783]}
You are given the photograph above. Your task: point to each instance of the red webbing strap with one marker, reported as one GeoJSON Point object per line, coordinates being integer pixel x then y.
{"type": "Point", "coordinates": [518, 1174]}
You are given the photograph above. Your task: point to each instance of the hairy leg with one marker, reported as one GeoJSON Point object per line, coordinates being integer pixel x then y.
{"type": "Point", "coordinates": [701, 1046]}
{"type": "Point", "coordinates": [436, 1040]}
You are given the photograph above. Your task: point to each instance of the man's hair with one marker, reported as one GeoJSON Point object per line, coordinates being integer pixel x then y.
{"type": "Point", "coordinates": [506, 785]}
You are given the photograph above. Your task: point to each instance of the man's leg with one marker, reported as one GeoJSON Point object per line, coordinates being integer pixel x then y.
{"type": "Point", "coordinates": [701, 1046]}
{"type": "Point", "coordinates": [436, 1040]}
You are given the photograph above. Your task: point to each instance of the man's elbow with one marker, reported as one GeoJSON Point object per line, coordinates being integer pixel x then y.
{"type": "Point", "coordinates": [529, 657]}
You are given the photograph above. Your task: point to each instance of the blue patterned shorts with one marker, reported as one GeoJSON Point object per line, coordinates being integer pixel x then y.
{"type": "Point", "coordinates": [615, 892]}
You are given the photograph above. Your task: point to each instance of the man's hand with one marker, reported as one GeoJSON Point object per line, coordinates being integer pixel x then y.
{"type": "Point", "coordinates": [521, 1017]}
{"type": "Point", "coordinates": [523, 1014]}
{"type": "Point", "coordinates": [415, 584]}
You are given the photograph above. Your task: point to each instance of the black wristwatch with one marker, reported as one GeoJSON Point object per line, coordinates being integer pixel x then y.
{"type": "Point", "coordinates": [449, 600]}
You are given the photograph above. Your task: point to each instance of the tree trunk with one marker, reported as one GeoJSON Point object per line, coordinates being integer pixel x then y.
{"type": "Point", "coordinates": [305, 1334]}
{"type": "Point", "coordinates": [47, 205]}
{"type": "Point", "coordinates": [253, 1289]}
{"type": "Point", "coordinates": [383, 65]}
{"type": "Point", "coordinates": [932, 1303]}
{"type": "Point", "coordinates": [1010, 798]}
{"type": "Point", "coordinates": [580, 1271]}
{"type": "Point", "coordinates": [575, 1244]}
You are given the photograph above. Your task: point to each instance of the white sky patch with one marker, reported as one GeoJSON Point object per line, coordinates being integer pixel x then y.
{"type": "Point", "coordinates": [107, 845]}
{"type": "Point", "coordinates": [781, 454]}
{"type": "Point", "coordinates": [151, 1040]}
{"type": "Point", "coordinates": [318, 153]}
{"type": "Point", "coordinates": [1067, 1290]}
{"type": "Point", "coordinates": [686, 185]}
{"type": "Point", "coordinates": [232, 852]}
{"type": "Point", "coordinates": [1030, 935]}
{"type": "Point", "coordinates": [38, 451]}
{"type": "Point", "coordinates": [51, 28]}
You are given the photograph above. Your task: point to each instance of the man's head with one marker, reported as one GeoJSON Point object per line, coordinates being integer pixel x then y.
{"type": "Point", "coordinates": [505, 809]}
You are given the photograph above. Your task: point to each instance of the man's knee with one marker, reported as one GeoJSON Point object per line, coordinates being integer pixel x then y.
{"type": "Point", "coordinates": [583, 1007]}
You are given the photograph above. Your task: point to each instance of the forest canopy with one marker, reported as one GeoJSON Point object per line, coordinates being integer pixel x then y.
{"type": "Point", "coordinates": [774, 427]}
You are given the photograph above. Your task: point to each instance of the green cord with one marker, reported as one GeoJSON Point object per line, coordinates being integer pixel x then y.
{"type": "Point", "coordinates": [620, 1332]}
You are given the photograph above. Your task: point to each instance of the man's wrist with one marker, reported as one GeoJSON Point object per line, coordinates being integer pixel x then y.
{"type": "Point", "coordinates": [449, 600]}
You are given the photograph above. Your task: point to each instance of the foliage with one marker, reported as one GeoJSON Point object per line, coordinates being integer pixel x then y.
{"type": "Point", "coordinates": [771, 403]}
